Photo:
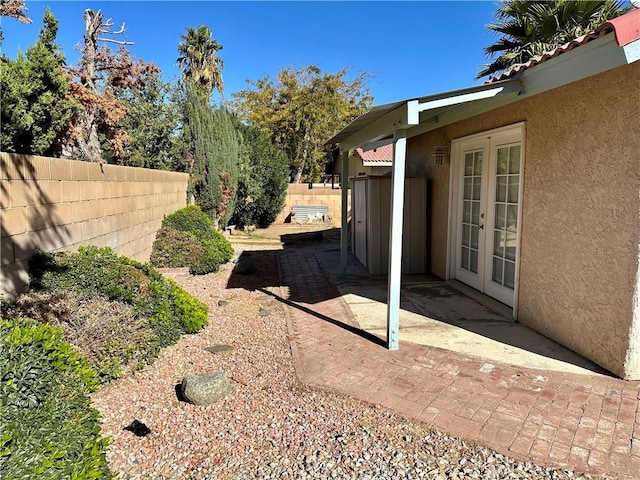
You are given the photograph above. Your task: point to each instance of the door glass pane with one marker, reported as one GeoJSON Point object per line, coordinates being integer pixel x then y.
{"type": "Point", "coordinates": [499, 221]}
{"type": "Point", "coordinates": [503, 160]}
{"type": "Point", "coordinates": [498, 243]}
{"type": "Point", "coordinates": [477, 165]}
{"type": "Point", "coordinates": [476, 187]}
{"type": "Point", "coordinates": [468, 164]}
{"type": "Point", "coordinates": [473, 261]}
{"type": "Point", "coordinates": [512, 218]}
{"type": "Point", "coordinates": [501, 188]}
{"type": "Point", "coordinates": [465, 235]}
{"type": "Point", "coordinates": [475, 213]}
{"type": "Point", "coordinates": [510, 250]}
{"type": "Point", "coordinates": [514, 185]}
{"type": "Point", "coordinates": [468, 187]}
{"type": "Point", "coordinates": [466, 211]}
{"type": "Point", "coordinates": [474, 237]}
{"type": "Point", "coordinates": [514, 159]}
{"type": "Point", "coordinates": [497, 270]}
{"type": "Point", "coordinates": [509, 274]}
{"type": "Point", "coordinates": [464, 260]}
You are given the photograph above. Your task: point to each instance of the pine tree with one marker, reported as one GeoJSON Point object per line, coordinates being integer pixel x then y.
{"type": "Point", "coordinates": [36, 110]}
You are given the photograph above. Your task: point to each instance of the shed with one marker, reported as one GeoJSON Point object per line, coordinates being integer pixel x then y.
{"type": "Point", "coordinates": [371, 213]}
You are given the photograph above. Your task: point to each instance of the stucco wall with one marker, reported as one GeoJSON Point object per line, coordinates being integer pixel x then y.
{"type": "Point", "coordinates": [580, 212]}
{"type": "Point", "coordinates": [53, 204]}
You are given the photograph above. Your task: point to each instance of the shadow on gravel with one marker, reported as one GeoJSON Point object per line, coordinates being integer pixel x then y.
{"type": "Point", "coordinates": [302, 277]}
{"type": "Point", "coordinates": [349, 328]}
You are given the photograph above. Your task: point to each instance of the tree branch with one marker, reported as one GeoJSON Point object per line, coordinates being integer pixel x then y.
{"type": "Point", "coordinates": [119, 42]}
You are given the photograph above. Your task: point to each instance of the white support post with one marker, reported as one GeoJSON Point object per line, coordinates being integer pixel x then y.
{"type": "Point", "coordinates": [344, 234]}
{"type": "Point", "coordinates": [395, 239]}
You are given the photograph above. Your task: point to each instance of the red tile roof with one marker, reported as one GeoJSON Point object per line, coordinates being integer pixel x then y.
{"type": "Point", "coordinates": [626, 28]}
{"type": "Point", "coordinates": [382, 154]}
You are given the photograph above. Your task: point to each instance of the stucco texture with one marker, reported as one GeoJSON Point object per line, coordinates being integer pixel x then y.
{"type": "Point", "coordinates": [580, 212]}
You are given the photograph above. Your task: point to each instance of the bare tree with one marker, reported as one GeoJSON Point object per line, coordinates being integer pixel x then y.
{"type": "Point", "coordinates": [13, 9]}
{"type": "Point", "coordinates": [100, 71]}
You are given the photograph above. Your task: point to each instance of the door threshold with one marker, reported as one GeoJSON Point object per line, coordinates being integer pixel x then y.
{"type": "Point", "coordinates": [484, 300]}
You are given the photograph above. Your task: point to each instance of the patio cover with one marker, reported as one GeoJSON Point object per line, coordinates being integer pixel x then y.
{"type": "Point", "coordinates": [396, 122]}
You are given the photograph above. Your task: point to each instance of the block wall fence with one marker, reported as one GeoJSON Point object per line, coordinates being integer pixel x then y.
{"type": "Point", "coordinates": [53, 204]}
{"type": "Point", "coordinates": [301, 194]}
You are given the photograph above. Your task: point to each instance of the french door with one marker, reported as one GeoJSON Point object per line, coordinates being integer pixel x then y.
{"type": "Point", "coordinates": [487, 189]}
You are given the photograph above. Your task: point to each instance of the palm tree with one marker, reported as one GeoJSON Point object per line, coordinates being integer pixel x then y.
{"type": "Point", "coordinates": [532, 27]}
{"type": "Point", "coordinates": [198, 59]}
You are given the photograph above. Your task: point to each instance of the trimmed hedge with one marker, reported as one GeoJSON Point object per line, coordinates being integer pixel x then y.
{"type": "Point", "coordinates": [187, 239]}
{"type": "Point", "coordinates": [48, 429]}
{"type": "Point", "coordinates": [167, 310]}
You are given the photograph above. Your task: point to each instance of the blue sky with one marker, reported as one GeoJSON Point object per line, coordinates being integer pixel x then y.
{"type": "Point", "coordinates": [409, 48]}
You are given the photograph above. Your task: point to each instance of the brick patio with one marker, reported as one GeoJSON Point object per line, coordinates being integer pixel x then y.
{"type": "Point", "coordinates": [583, 423]}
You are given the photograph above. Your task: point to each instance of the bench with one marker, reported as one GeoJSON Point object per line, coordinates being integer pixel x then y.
{"type": "Point", "coordinates": [310, 214]}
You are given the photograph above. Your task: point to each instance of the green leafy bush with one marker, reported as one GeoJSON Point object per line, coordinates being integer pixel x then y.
{"type": "Point", "coordinates": [187, 239]}
{"type": "Point", "coordinates": [189, 219]}
{"type": "Point", "coordinates": [48, 429]}
{"type": "Point", "coordinates": [158, 309]}
{"type": "Point", "coordinates": [175, 248]}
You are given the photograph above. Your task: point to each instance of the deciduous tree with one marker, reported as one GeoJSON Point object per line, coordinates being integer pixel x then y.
{"type": "Point", "coordinates": [300, 109]}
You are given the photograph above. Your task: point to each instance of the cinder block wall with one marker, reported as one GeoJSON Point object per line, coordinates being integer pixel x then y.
{"type": "Point", "coordinates": [53, 204]}
{"type": "Point", "coordinates": [301, 194]}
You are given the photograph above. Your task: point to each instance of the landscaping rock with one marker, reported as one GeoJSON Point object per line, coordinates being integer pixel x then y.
{"type": "Point", "coordinates": [223, 303]}
{"type": "Point", "coordinates": [245, 266]}
{"type": "Point", "coordinates": [205, 389]}
{"type": "Point", "coordinates": [264, 312]}
{"type": "Point", "coordinates": [219, 349]}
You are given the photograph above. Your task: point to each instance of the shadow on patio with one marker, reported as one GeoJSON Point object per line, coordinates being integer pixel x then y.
{"type": "Point", "coordinates": [433, 312]}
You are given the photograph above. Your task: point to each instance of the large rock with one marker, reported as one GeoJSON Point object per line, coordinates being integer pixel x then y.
{"type": "Point", "coordinates": [205, 389]}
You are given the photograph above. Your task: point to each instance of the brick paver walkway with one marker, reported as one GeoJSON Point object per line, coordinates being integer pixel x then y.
{"type": "Point", "coordinates": [584, 423]}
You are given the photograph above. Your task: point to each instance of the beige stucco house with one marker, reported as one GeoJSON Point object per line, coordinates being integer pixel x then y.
{"type": "Point", "coordinates": [535, 201]}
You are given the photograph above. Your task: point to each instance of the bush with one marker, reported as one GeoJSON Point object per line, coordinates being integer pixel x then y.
{"type": "Point", "coordinates": [175, 248]}
{"type": "Point", "coordinates": [107, 333]}
{"type": "Point", "coordinates": [158, 310]}
{"type": "Point", "coordinates": [47, 426]}
{"type": "Point", "coordinates": [174, 245]}
{"type": "Point", "coordinates": [189, 219]}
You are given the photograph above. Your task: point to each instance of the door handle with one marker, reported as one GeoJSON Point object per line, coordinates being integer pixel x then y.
{"type": "Point", "coordinates": [481, 227]}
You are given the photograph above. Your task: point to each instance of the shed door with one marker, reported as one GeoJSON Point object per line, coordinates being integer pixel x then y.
{"type": "Point", "coordinates": [359, 196]}
{"type": "Point", "coordinates": [487, 212]}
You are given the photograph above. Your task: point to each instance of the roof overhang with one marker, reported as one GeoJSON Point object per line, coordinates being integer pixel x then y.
{"type": "Point", "coordinates": [420, 115]}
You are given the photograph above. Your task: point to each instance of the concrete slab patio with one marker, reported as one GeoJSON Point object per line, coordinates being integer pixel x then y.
{"type": "Point", "coordinates": [569, 417]}
{"type": "Point", "coordinates": [438, 314]}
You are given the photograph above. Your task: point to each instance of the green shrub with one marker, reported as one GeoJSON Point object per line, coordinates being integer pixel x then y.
{"type": "Point", "coordinates": [48, 429]}
{"type": "Point", "coordinates": [193, 314]}
{"type": "Point", "coordinates": [158, 310]}
{"type": "Point", "coordinates": [189, 219]}
{"type": "Point", "coordinates": [107, 333]}
{"type": "Point", "coordinates": [175, 248]}
{"type": "Point", "coordinates": [174, 244]}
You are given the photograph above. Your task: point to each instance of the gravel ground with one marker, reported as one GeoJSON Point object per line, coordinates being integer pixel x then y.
{"type": "Point", "coordinates": [271, 425]}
